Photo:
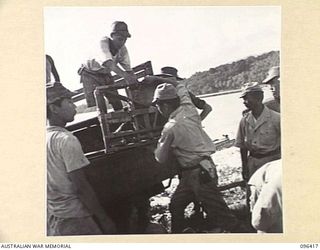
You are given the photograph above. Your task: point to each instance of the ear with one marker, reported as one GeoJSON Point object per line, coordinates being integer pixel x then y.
{"type": "Point", "coordinates": [53, 108]}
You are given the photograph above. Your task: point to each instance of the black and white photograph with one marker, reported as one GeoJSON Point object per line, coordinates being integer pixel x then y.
{"type": "Point", "coordinates": [163, 120]}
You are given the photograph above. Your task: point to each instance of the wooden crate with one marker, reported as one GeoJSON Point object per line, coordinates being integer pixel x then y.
{"type": "Point", "coordinates": [141, 123]}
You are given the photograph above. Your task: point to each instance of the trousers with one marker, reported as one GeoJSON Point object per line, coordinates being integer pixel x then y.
{"type": "Point", "coordinates": [255, 163]}
{"type": "Point", "coordinates": [190, 189]}
{"type": "Point", "coordinates": [91, 81]}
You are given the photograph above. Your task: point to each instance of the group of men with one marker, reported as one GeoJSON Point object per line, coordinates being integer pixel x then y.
{"type": "Point", "coordinates": [73, 208]}
{"type": "Point", "coordinates": [258, 139]}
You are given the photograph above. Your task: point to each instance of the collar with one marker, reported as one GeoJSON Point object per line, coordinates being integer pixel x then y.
{"type": "Point", "coordinates": [175, 113]}
{"type": "Point", "coordinates": [264, 116]}
{"type": "Point", "coordinates": [55, 128]}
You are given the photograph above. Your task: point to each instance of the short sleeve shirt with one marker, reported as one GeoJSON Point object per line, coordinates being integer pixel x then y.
{"type": "Point", "coordinates": [261, 136]}
{"type": "Point", "coordinates": [64, 155]}
{"type": "Point", "coordinates": [121, 57]}
{"type": "Point", "coordinates": [183, 135]}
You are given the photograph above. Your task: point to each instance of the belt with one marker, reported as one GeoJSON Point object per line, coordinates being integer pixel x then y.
{"type": "Point", "coordinates": [182, 169]}
{"type": "Point", "coordinates": [189, 168]}
{"type": "Point", "coordinates": [271, 153]}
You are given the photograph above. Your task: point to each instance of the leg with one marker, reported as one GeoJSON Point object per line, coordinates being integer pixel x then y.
{"type": "Point", "coordinates": [219, 215]}
{"type": "Point", "coordinates": [89, 86]}
{"type": "Point", "coordinates": [114, 101]}
{"type": "Point", "coordinates": [120, 212]}
{"type": "Point", "coordinates": [180, 199]}
{"type": "Point", "coordinates": [142, 206]}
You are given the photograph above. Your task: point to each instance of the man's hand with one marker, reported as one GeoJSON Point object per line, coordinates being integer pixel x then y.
{"type": "Point", "coordinates": [150, 78]}
{"type": "Point", "coordinates": [131, 78]}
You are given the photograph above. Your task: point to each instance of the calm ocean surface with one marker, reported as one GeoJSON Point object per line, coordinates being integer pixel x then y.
{"type": "Point", "coordinates": [226, 114]}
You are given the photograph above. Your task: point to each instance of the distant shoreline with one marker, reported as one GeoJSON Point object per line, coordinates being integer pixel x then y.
{"type": "Point", "coordinates": [226, 92]}
{"type": "Point", "coordinates": [220, 93]}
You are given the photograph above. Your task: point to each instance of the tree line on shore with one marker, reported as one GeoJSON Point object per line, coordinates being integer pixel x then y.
{"type": "Point", "coordinates": [233, 75]}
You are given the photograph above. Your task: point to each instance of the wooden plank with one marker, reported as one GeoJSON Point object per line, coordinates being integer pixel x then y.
{"type": "Point", "coordinates": [140, 131]}
{"type": "Point", "coordinates": [232, 185]}
{"type": "Point", "coordinates": [83, 124]}
{"type": "Point", "coordinates": [131, 145]}
{"type": "Point", "coordinates": [78, 97]}
{"type": "Point", "coordinates": [140, 71]}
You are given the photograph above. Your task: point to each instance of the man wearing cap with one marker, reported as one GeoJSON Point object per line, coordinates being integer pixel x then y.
{"type": "Point", "coordinates": [273, 79]}
{"type": "Point", "coordinates": [170, 75]}
{"type": "Point", "coordinates": [73, 208]}
{"type": "Point", "coordinates": [184, 138]}
{"type": "Point", "coordinates": [114, 53]}
{"type": "Point", "coordinates": [258, 135]}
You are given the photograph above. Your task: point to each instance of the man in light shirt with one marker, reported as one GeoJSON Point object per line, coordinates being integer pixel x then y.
{"type": "Point", "coordinates": [184, 138]}
{"type": "Point", "coordinates": [73, 208]}
{"type": "Point", "coordinates": [115, 58]}
{"type": "Point", "coordinates": [258, 137]}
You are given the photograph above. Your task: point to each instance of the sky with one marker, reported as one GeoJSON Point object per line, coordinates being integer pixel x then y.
{"type": "Point", "coordinates": [192, 39]}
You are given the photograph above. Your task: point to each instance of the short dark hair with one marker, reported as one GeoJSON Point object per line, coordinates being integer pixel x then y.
{"type": "Point", "coordinates": [57, 103]}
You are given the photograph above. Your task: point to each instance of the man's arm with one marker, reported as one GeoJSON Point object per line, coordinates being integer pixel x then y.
{"type": "Point", "coordinates": [244, 160]}
{"type": "Point", "coordinates": [53, 69]}
{"type": "Point", "coordinates": [171, 80]}
{"type": "Point", "coordinates": [240, 143]}
{"type": "Point", "coordinates": [55, 72]}
{"type": "Point", "coordinates": [201, 104]}
{"type": "Point", "coordinates": [88, 197]}
{"type": "Point", "coordinates": [162, 151]}
{"type": "Point", "coordinates": [130, 77]}
{"type": "Point", "coordinates": [205, 111]}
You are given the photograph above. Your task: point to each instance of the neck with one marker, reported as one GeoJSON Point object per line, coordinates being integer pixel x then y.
{"type": "Point", "coordinates": [54, 121]}
{"type": "Point", "coordinates": [256, 112]}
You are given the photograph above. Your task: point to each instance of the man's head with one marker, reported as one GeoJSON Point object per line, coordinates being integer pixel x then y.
{"type": "Point", "coordinates": [252, 95]}
{"type": "Point", "coordinates": [60, 107]}
{"type": "Point", "coordinates": [166, 99]}
{"type": "Point", "coordinates": [169, 71]}
{"type": "Point", "coordinates": [119, 33]}
{"type": "Point", "coordinates": [273, 78]}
